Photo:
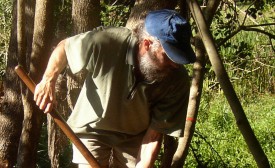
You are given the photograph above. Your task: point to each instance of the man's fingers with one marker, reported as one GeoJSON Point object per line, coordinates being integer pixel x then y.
{"type": "Point", "coordinates": [36, 93]}
{"type": "Point", "coordinates": [38, 100]}
{"type": "Point", "coordinates": [43, 96]}
{"type": "Point", "coordinates": [44, 102]}
{"type": "Point", "coordinates": [49, 108]}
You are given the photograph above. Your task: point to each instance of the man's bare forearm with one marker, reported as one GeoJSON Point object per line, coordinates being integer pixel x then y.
{"type": "Point", "coordinates": [149, 149]}
{"type": "Point", "coordinates": [57, 62]}
{"type": "Point", "coordinates": [44, 93]}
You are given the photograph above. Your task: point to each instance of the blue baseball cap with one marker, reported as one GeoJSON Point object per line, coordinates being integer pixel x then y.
{"type": "Point", "coordinates": [174, 34]}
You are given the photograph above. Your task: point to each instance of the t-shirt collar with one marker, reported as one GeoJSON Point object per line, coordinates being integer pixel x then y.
{"type": "Point", "coordinates": [132, 50]}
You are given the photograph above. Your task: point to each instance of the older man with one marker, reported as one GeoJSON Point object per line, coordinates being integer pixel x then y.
{"type": "Point", "coordinates": [136, 89]}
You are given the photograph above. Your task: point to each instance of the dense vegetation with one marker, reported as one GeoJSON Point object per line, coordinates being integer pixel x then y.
{"type": "Point", "coordinates": [249, 60]}
{"type": "Point", "coordinates": [5, 24]}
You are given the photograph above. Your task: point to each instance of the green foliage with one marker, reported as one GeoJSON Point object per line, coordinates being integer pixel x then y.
{"type": "Point", "coordinates": [114, 14]}
{"type": "Point", "coordinates": [42, 152]}
{"type": "Point", "coordinates": [43, 160]}
{"type": "Point", "coordinates": [5, 24]}
{"type": "Point", "coordinates": [218, 142]}
{"type": "Point", "coordinates": [248, 56]}
{"type": "Point", "coordinates": [62, 18]}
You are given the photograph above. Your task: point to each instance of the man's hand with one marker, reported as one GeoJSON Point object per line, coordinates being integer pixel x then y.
{"type": "Point", "coordinates": [44, 95]}
{"type": "Point", "coordinates": [149, 149]}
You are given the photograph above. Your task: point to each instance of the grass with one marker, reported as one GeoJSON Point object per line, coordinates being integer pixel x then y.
{"type": "Point", "coordinates": [218, 142]}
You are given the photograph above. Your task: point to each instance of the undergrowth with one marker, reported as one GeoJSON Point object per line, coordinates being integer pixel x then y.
{"type": "Point", "coordinates": [218, 142]}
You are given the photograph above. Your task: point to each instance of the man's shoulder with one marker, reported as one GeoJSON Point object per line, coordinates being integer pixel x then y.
{"type": "Point", "coordinates": [109, 35]}
{"type": "Point", "coordinates": [113, 31]}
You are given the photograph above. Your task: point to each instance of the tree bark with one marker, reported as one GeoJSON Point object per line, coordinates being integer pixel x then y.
{"type": "Point", "coordinates": [21, 43]}
{"type": "Point", "coordinates": [11, 126]}
{"type": "Point", "coordinates": [195, 91]}
{"type": "Point", "coordinates": [58, 143]}
{"type": "Point", "coordinates": [193, 106]}
{"type": "Point", "coordinates": [32, 115]}
{"type": "Point", "coordinates": [85, 17]}
{"type": "Point", "coordinates": [169, 147]}
{"type": "Point", "coordinates": [57, 140]}
{"type": "Point", "coordinates": [227, 87]}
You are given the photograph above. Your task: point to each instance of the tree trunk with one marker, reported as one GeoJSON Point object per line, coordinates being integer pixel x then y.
{"type": "Point", "coordinates": [193, 106]}
{"type": "Point", "coordinates": [142, 7]}
{"type": "Point", "coordinates": [85, 16]}
{"type": "Point", "coordinates": [227, 87]}
{"type": "Point", "coordinates": [169, 147]}
{"type": "Point", "coordinates": [21, 43]}
{"type": "Point", "coordinates": [57, 140]}
{"type": "Point", "coordinates": [32, 115]}
{"type": "Point", "coordinates": [195, 91]}
{"type": "Point", "coordinates": [11, 126]}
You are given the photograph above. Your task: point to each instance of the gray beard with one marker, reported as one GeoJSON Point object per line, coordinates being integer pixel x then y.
{"type": "Point", "coordinates": [150, 69]}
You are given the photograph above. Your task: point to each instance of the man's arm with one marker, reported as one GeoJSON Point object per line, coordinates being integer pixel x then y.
{"type": "Point", "coordinates": [44, 93]}
{"type": "Point", "coordinates": [149, 150]}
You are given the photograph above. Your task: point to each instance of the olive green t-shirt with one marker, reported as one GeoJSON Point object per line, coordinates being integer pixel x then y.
{"type": "Point", "coordinates": [109, 56]}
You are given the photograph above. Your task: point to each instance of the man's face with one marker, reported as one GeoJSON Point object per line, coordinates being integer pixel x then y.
{"type": "Point", "coordinates": [155, 65]}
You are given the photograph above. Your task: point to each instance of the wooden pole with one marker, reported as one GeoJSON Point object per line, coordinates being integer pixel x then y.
{"type": "Point", "coordinates": [60, 121]}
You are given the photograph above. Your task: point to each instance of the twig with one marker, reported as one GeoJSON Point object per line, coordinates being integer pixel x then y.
{"type": "Point", "coordinates": [229, 37]}
{"type": "Point", "coordinates": [245, 28]}
{"type": "Point", "coordinates": [270, 41]}
{"type": "Point", "coordinates": [263, 64]}
{"type": "Point", "coordinates": [260, 25]}
{"type": "Point", "coordinates": [212, 148]}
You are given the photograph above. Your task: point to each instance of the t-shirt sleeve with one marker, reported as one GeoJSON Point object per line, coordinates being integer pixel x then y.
{"type": "Point", "coordinates": [169, 114]}
{"type": "Point", "coordinates": [79, 49]}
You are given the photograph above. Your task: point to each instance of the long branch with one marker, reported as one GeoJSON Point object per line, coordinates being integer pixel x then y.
{"type": "Point", "coordinates": [272, 36]}
{"type": "Point", "coordinates": [245, 28]}
{"type": "Point", "coordinates": [260, 25]}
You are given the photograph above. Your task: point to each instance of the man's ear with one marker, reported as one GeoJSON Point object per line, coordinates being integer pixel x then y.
{"type": "Point", "coordinates": [147, 44]}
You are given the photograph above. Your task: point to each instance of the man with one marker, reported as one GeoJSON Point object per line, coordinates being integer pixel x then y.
{"type": "Point", "coordinates": [136, 89]}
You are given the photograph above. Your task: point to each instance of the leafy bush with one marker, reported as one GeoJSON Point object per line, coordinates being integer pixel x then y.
{"type": "Point", "coordinates": [5, 24]}
{"type": "Point", "coordinates": [218, 142]}
{"type": "Point", "coordinates": [248, 55]}
{"type": "Point", "coordinates": [114, 14]}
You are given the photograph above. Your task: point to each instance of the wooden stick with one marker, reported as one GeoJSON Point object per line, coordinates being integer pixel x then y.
{"type": "Point", "coordinates": [60, 121]}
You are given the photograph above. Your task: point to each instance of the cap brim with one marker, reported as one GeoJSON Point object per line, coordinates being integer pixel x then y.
{"type": "Point", "coordinates": [177, 55]}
